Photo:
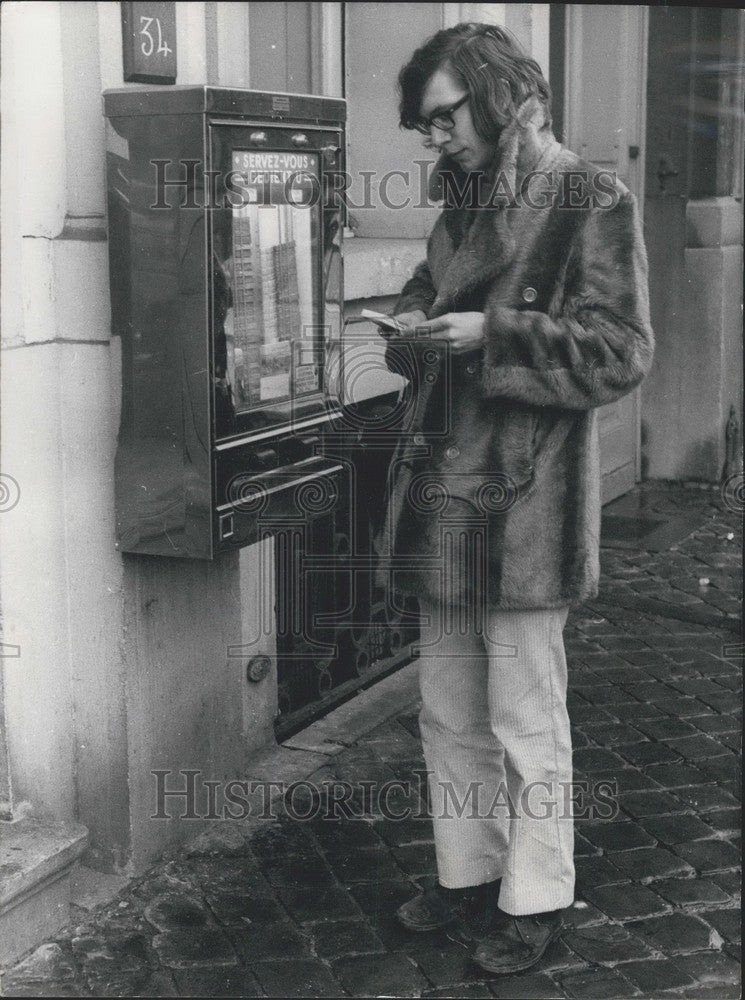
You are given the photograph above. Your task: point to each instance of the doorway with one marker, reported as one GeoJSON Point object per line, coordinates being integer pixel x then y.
{"type": "Point", "coordinates": [601, 83]}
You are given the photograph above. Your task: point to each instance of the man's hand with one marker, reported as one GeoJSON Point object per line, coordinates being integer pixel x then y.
{"type": "Point", "coordinates": [464, 331]}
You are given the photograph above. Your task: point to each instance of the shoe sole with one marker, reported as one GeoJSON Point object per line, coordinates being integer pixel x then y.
{"type": "Point", "coordinates": [465, 938]}
{"type": "Point", "coordinates": [424, 928]}
{"type": "Point", "coordinates": [522, 966]}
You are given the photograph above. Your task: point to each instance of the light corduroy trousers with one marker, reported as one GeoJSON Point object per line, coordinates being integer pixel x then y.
{"type": "Point", "coordinates": [496, 740]}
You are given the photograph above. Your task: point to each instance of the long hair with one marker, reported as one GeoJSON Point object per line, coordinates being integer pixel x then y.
{"type": "Point", "coordinates": [488, 61]}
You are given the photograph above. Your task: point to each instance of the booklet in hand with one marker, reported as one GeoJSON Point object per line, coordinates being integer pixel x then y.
{"type": "Point", "coordinates": [380, 319]}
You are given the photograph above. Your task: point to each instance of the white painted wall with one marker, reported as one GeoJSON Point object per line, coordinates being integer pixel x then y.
{"type": "Point", "coordinates": [124, 662]}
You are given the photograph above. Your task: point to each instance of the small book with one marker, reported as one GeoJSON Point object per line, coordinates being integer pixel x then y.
{"type": "Point", "coordinates": [380, 319]}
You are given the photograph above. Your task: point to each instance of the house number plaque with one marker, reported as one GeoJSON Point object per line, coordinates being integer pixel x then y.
{"type": "Point", "coordinates": [149, 42]}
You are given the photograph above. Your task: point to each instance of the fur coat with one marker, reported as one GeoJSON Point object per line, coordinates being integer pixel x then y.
{"type": "Point", "coordinates": [493, 492]}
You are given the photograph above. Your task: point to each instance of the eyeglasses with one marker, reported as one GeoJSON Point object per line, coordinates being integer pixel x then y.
{"type": "Point", "coordinates": [442, 120]}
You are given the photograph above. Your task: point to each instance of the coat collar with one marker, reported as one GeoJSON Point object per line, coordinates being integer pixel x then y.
{"type": "Point", "coordinates": [476, 244]}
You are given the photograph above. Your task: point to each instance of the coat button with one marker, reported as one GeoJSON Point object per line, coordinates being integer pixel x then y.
{"type": "Point", "coordinates": [418, 439]}
{"type": "Point", "coordinates": [530, 294]}
{"type": "Point", "coordinates": [452, 452]}
{"type": "Point", "coordinates": [471, 367]}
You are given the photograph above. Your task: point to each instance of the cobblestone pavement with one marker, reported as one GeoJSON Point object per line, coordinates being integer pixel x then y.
{"type": "Point", "coordinates": [305, 909]}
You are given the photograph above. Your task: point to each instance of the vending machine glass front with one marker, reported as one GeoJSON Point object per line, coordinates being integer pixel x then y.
{"type": "Point", "coordinates": [267, 255]}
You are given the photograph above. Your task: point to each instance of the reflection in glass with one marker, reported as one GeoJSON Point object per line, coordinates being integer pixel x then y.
{"type": "Point", "coordinates": [271, 328]}
{"type": "Point", "coordinates": [332, 285]}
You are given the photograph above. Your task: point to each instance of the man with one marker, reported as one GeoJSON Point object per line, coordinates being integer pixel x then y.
{"type": "Point", "coordinates": [533, 298]}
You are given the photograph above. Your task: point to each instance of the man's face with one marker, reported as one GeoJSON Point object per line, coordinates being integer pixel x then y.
{"type": "Point", "coordinates": [462, 142]}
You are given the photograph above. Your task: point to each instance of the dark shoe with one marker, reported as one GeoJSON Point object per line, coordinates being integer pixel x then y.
{"type": "Point", "coordinates": [480, 918]}
{"type": "Point", "coordinates": [438, 907]}
{"type": "Point", "coordinates": [519, 942]}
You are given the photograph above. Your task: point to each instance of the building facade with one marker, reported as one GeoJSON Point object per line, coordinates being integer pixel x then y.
{"type": "Point", "coordinates": [114, 666]}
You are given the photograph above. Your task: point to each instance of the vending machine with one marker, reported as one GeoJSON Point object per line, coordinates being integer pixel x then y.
{"type": "Point", "coordinates": [226, 286]}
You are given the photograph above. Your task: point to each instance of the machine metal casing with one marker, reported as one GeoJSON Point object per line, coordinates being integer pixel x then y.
{"type": "Point", "coordinates": [230, 338]}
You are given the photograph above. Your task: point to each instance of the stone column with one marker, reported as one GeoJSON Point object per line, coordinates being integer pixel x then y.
{"type": "Point", "coordinates": [125, 662]}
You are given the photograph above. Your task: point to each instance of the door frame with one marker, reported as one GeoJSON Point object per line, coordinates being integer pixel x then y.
{"type": "Point", "coordinates": [635, 101]}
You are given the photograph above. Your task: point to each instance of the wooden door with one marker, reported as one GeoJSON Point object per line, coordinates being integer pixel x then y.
{"type": "Point", "coordinates": [284, 46]}
{"type": "Point", "coordinates": [379, 39]}
{"type": "Point", "coordinates": [671, 132]}
{"type": "Point", "coordinates": [604, 109]}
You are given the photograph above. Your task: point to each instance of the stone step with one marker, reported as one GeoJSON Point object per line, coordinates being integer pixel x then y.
{"type": "Point", "coordinates": [36, 862]}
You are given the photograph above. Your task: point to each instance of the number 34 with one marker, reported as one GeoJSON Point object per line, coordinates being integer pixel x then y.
{"type": "Point", "coordinates": [148, 43]}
